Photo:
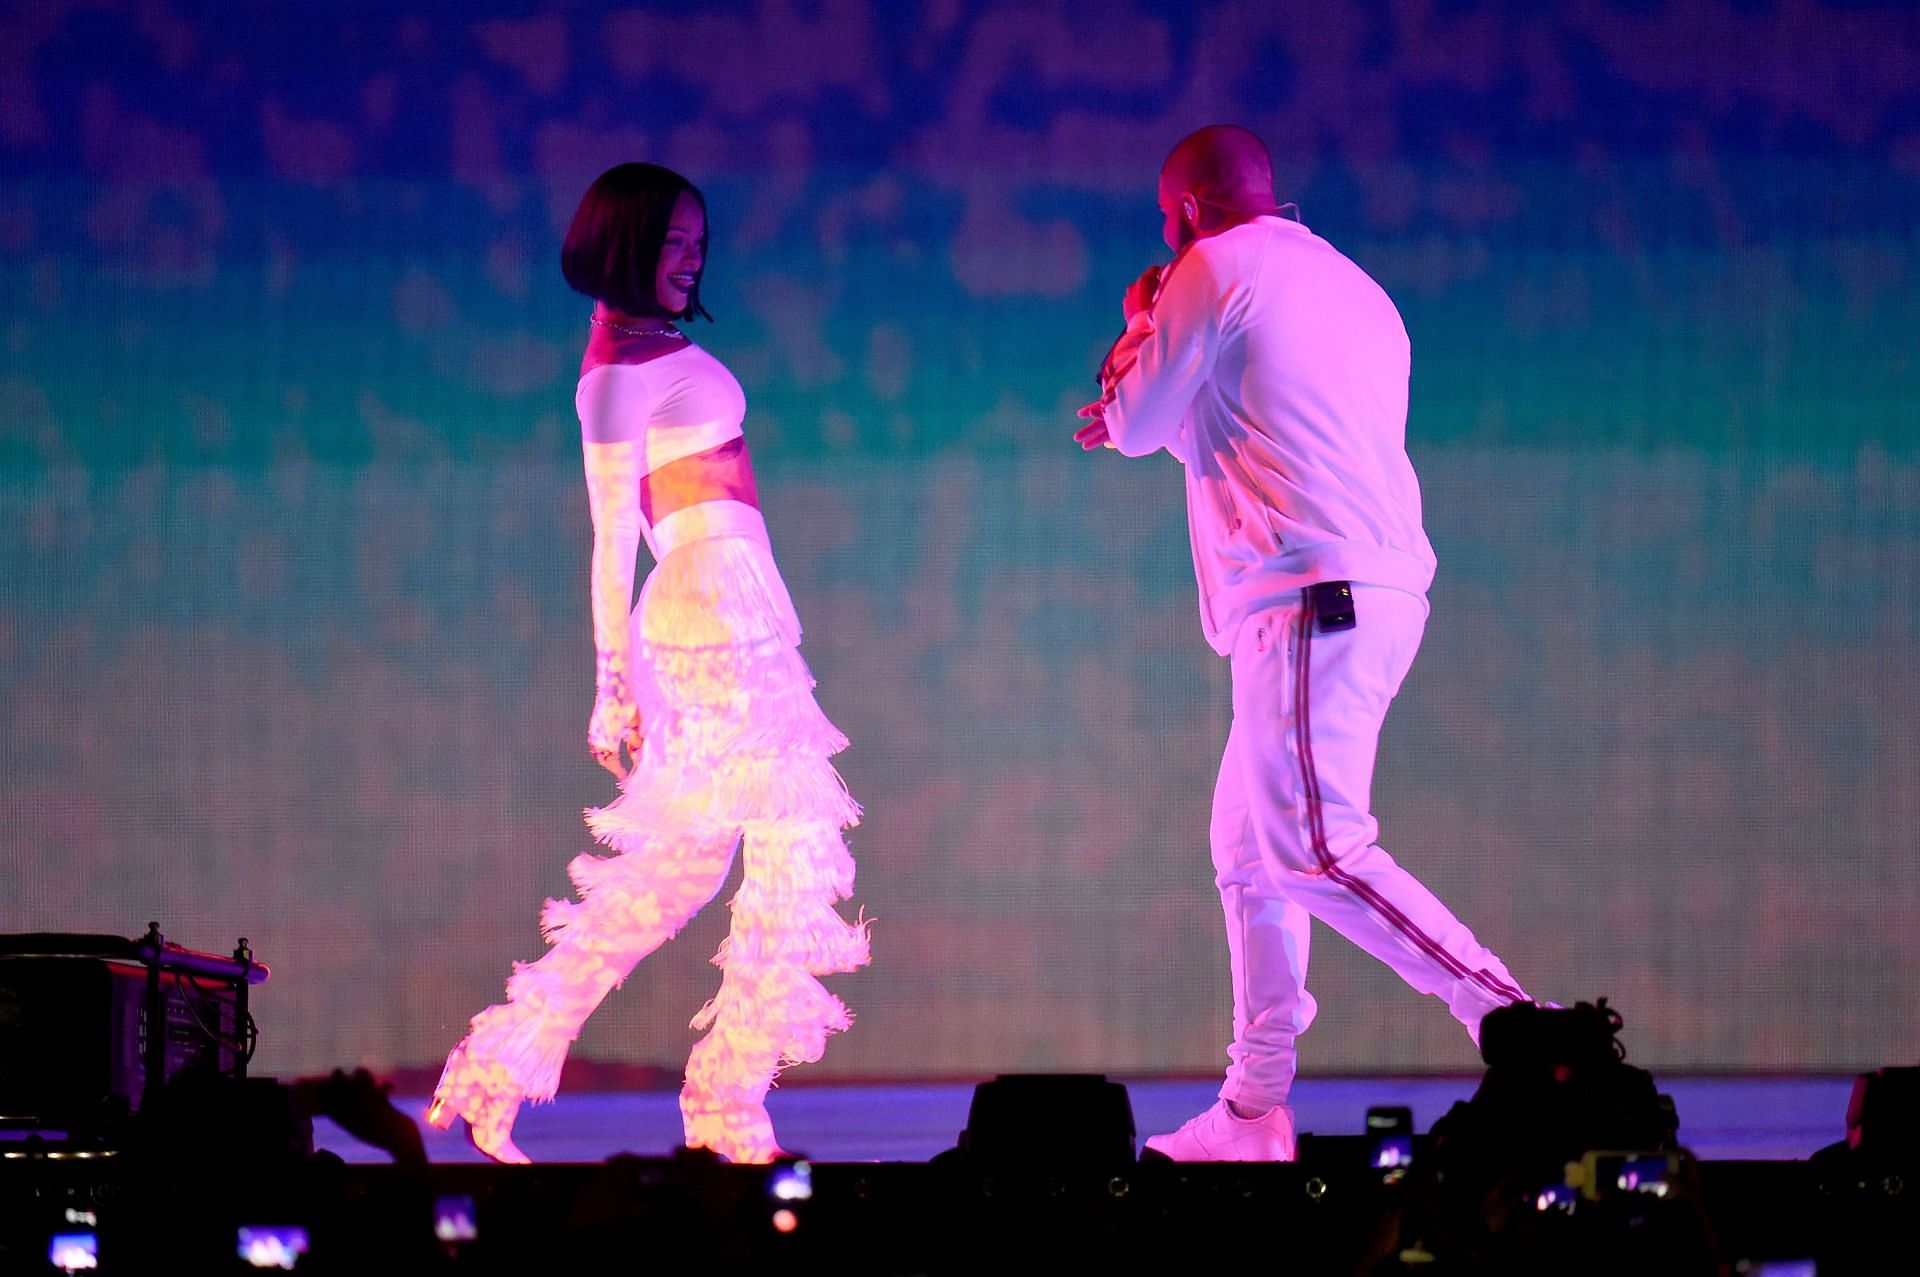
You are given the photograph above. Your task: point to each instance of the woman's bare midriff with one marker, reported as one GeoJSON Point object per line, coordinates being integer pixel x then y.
{"type": "Point", "coordinates": [718, 474]}
{"type": "Point", "coordinates": [722, 473]}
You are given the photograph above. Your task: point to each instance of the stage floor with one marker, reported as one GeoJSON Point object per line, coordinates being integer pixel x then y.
{"type": "Point", "coordinates": [1721, 1118]}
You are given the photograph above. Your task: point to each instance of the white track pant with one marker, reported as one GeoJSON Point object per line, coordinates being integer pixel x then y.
{"type": "Point", "coordinates": [1294, 835]}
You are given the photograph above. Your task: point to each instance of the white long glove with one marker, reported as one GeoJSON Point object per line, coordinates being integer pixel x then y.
{"type": "Point", "coordinates": [613, 498]}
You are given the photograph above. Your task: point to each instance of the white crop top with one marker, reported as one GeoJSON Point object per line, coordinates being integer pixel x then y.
{"type": "Point", "coordinates": [635, 418]}
{"type": "Point", "coordinates": [672, 407]}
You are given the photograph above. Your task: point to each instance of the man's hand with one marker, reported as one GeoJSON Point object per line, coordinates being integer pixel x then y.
{"type": "Point", "coordinates": [1140, 294]}
{"type": "Point", "coordinates": [1094, 433]}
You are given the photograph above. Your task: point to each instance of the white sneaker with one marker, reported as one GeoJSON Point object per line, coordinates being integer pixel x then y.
{"type": "Point", "coordinates": [1218, 1136]}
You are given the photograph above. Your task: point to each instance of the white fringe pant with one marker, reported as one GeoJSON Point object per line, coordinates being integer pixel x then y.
{"type": "Point", "coordinates": [1294, 835]}
{"type": "Point", "coordinates": [736, 748]}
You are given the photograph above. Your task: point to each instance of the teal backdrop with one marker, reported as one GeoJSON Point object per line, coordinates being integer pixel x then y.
{"type": "Point", "coordinates": [293, 628]}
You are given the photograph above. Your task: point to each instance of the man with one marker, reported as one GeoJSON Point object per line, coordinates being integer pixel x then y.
{"type": "Point", "coordinates": [1276, 371]}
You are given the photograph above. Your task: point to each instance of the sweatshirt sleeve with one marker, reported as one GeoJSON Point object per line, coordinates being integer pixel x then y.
{"type": "Point", "coordinates": [1165, 357]}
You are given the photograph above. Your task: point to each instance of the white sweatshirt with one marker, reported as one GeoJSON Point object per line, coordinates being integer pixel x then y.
{"type": "Point", "coordinates": [1276, 370]}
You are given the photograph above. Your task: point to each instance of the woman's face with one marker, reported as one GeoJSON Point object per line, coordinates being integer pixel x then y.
{"type": "Point", "coordinates": [682, 256]}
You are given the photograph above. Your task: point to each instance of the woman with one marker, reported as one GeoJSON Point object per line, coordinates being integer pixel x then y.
{"type": "Point", "coordinates": [703, 689]}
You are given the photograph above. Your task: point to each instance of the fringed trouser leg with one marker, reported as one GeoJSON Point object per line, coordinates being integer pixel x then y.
{"type": "Point", "coordinates": [735, 745]}
{"type": "Point", "coordinates": [629, 906]}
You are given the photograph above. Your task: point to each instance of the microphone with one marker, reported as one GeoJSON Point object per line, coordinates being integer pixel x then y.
{"type": "Point", "coordinates": [1106, 373]}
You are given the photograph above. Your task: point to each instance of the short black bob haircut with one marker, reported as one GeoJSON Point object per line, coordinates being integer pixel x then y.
{"type": "Point", "coordinates": [612, 249]}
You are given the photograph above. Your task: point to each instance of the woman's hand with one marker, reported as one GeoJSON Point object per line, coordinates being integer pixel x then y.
{"type": "Point", "coordinates": [615, 724]}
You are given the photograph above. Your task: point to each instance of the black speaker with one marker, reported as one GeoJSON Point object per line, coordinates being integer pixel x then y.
{"type": "Point", "coordinates": [1883, 1113]}
{"type": "Point", "coordinates": [1049, 1119]}
{"type": "Point", "coordinates": [91, 1025]}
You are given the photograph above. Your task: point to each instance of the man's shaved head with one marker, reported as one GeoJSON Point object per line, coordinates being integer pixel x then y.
{"type": "Point", "coordinates": [1226, 173]}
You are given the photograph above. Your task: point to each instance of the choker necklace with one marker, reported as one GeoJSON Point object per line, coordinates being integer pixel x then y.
{"type": "Point", "coordinates": [630, 331]}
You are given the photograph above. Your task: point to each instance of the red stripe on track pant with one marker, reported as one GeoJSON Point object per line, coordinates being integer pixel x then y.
{"type": "Point", "coordinates": [1293, 834]}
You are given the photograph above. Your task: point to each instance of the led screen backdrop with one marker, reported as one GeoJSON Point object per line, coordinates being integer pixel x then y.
{"type": "Point", "coordinates": [293, 628]}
